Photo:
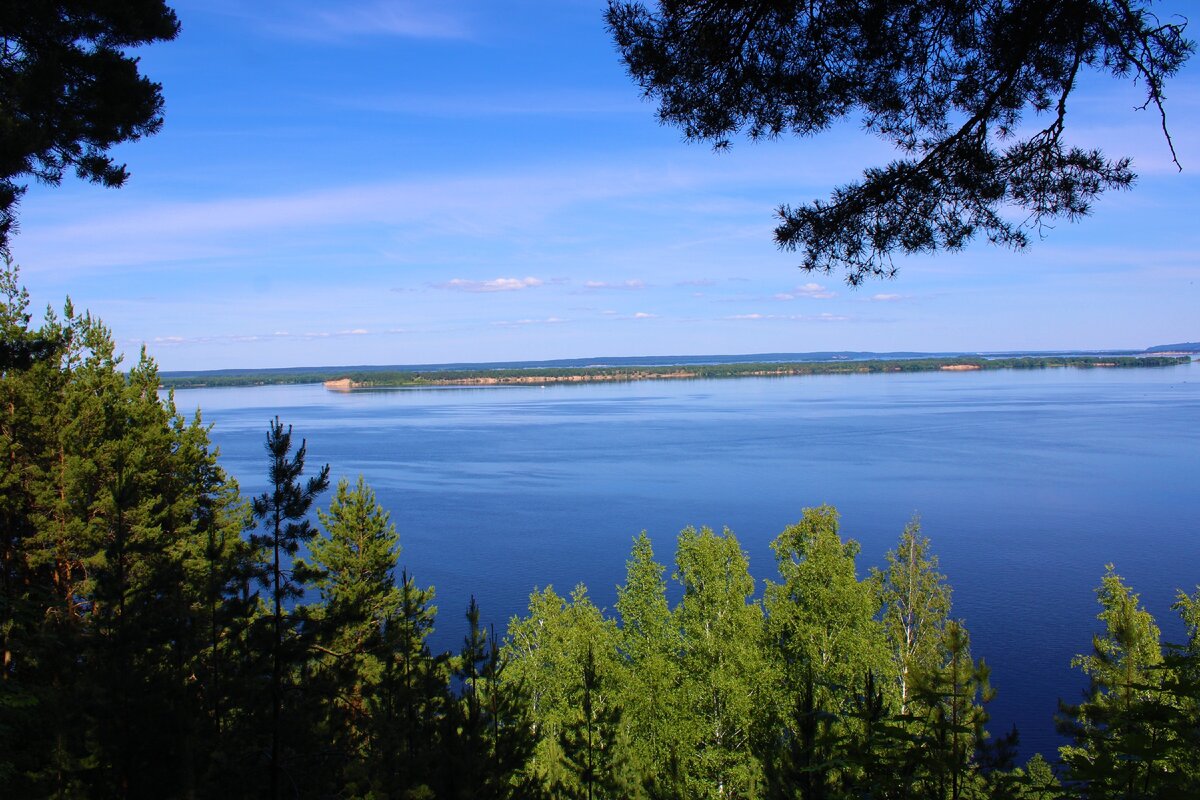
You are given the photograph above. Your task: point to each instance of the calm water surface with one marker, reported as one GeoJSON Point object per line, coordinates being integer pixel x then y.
{"type": "Point", "coordinates": [1027, 482]}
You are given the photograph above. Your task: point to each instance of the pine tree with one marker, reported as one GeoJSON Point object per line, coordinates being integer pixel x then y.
{"type": "Point", "coordinates": [1181, 683]}
{"type": "Point", "coordinates": [357, 593]}
{"type": "Point", "coordinates": [409, 708]}
{"type": "Point", "coordinates": [101, 509]}
{"type": "Point", "coordinates": [947, 711]}
{"type": "Point", "coordinates": [282, 513]}
{"type": "Point", "coordinates": [489, 737]}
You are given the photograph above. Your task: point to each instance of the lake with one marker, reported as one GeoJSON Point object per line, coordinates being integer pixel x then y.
{"type": "Point", "coordinates": [1027, 483]}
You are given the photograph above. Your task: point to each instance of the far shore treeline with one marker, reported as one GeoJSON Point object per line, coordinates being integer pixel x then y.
{"type": "Point", "coordinates": [384, 378]}
{"type": "Point", "coordinates": [163, 636]}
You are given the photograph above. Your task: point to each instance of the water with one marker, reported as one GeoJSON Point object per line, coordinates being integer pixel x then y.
{"type": "Point", "coordinates": [1027, 482]}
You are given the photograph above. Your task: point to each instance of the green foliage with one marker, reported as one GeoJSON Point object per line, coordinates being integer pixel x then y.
{"type": "Point", "coordinates": [565, 652]}
{"type": "Point", "coordinates": [142, 656]}
{"type": "Point", "coordinates": [822, 618]}
{"type": "Point", "coordinates": [724, 685]}
{"type": "Point", "coordinates": [490, 736]}
{"type": "Point", "coordinates": [406, 710]}
{"type": "Point", "coordinates": [116, 529]}
{"type": "Point", "coordinates": [825, 641]}
{"type": "Point", "coordinates": [1135, 730]}
{"type": "Point", "coordinates": [948, 715]}
{"type": "Point", "coordinates": [650, 648]}
{"type": "Point", "coordinates": [357, 592]}
{"type": "Point", "coordinates": [916, 607]}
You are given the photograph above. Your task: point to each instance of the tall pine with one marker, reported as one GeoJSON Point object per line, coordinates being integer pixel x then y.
{"type": "Point", "coordinates": [281, 514]}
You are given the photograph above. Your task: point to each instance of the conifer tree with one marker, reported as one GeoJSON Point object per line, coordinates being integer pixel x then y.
{"type": "Point", "coordinates": [1120, 728]}
{"type": "Point", "coordinates": [1181, 682]}
{"type": "Point", "coordinates": [489, 736]}
{"type": "Point", "coordinates": [209, 559]}
{"type": "Point", "coordinates": [357, 592]}
{"type": "Point", "coordinates": [101, 508]}
{"type": "Point", "coordinates": [282, 514]}
{"type": "Point", "coordinates": [947, 709]}
{"type": "Point", "coordinates": [408, 710]}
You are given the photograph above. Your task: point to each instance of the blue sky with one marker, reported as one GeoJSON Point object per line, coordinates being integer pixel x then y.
{"type": "Point", "coordinates": [375, 182]}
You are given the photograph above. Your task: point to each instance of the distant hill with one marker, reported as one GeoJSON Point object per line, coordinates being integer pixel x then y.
{"type": "Point", "coordinates": [1182, 347]}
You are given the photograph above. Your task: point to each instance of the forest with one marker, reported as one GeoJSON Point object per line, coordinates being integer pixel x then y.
{"type": "Point", "coordinates": [165, 636]}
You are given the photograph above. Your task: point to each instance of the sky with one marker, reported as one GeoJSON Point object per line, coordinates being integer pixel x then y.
{"type": "Point", "coordinates": [393, 182]}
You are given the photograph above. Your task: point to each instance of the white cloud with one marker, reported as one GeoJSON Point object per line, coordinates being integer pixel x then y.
{"type": "Point", "coordinates": [644, 315]}
{"type": "Point", "coordinates": [629, 285]}
{"type": "Point", "coordinates": [886, 298]}
{"type": "Point", "coordinates": [516, 322]}
{"type": "Point", "coordinates": [494, 285]}
{"type": "Point", "coordinates": [812, 290]}
{"type": "Point", "coordinates": [791, 317]}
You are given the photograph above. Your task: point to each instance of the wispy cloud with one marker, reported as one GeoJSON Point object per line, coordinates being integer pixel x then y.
{"type": "Point", "coordinates": [629, 285]}
{"type": "Point", "coordinates": [644, 315]}
{"type": "Point", "coordinates": [168, 341]}
{"type": "Point", "coordinates": [374, 18]}
{"type": "Point", "coordinates": [546, 103]}
{"type": "Point", "coordinates": [494, 285]}
{"type": "Point", "coordinates": [523, 322]}
{"type": "Point", "coordinates": [232, 229]}
{"type": "Point", "coordinates": [811, 290]}
{"type": "Point", "coordinates": [886, 298]}
{"type": "Point", "coordinates": [790, 317]}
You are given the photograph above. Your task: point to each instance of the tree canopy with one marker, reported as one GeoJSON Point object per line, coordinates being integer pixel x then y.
{"type": "Point", "coordinates": [973, 94]}
{"type": "Point", "coordinates": [69, 91]}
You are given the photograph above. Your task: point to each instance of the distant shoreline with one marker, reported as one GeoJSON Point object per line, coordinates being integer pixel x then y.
{"type": "Point", "coordinates": [353, 379]}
